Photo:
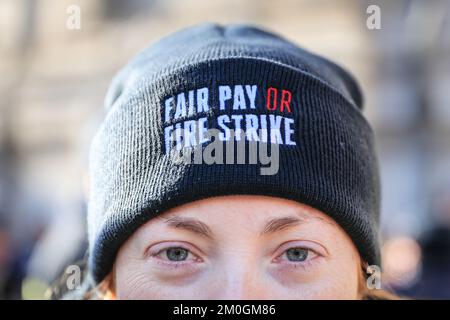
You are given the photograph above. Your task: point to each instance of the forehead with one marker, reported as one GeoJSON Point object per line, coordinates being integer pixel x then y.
{"type": "Point", "coordinates": [251, 209]}
{"type": "Point", "coordinates": [242, 220]}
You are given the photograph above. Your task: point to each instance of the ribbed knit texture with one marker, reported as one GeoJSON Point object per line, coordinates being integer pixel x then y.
{"type": "Point", "coordinates": [332, 167]}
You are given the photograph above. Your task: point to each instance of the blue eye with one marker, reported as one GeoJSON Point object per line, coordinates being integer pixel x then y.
{"type": "Point", "coordinates": [176, 254]}
{"type": "Point", "coordinates": [297, 254]}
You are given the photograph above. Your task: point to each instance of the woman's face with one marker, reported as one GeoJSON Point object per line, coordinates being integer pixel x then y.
{"type": "Point", "coordinates": [238, 247]}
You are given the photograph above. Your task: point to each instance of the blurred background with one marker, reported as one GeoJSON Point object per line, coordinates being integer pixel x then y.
{"type": "Point", "coordinates": [55, 70]}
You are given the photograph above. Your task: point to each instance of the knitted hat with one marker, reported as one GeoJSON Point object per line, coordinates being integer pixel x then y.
{"type": "Point", "coordinates": [233, 78]}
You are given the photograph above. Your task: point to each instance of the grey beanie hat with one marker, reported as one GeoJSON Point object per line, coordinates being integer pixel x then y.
{"type": "Point", "coordinates": [230, 77]}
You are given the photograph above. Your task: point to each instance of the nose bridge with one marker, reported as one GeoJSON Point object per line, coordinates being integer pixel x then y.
{"type": "Point", "coordinates": [242, 287]}
{"type": "Point", "coordinates": [242, 280]}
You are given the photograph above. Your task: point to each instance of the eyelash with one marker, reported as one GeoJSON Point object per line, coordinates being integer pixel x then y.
{"type": "Point", "coordinates": [309, 251]}
{"type": "Point", "coordinates": [168, 263]}
{"type": "Point", "coordinates": [292, 265]}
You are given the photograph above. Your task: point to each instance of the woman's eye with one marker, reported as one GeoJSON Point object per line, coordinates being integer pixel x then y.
{"type": "Point", "coordinates": [176, 254]}
{"type": "Point", "coordinates": [175, 258]}
{"type": "Point", "coordinates": [299, 254]}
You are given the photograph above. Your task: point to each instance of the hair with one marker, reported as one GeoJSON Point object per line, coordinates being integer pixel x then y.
{"type": "Point", "coordinates": [105, 290]}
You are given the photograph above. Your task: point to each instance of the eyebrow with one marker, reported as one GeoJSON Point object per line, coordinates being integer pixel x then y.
{"type": "Point", "coordinates": [202, 229]}
{"type": "Point", "coordinates": [190, 224]}
{"type": "Point", "coordinates": [278, 224]}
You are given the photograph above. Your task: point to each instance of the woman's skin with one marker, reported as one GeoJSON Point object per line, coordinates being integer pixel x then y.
{"type": "Point", "coordinates": [238, 247]}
